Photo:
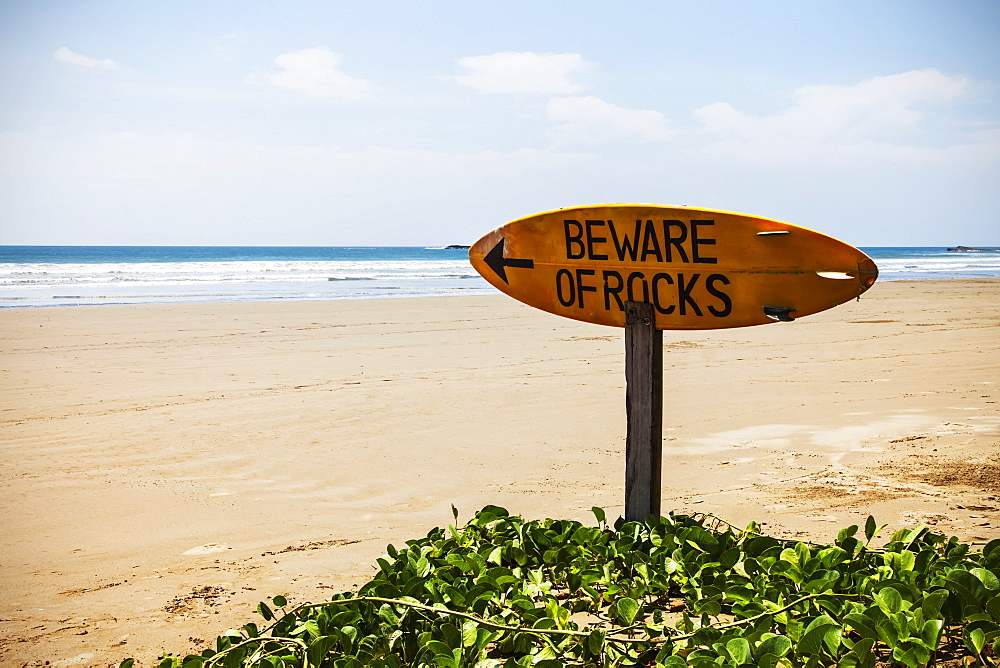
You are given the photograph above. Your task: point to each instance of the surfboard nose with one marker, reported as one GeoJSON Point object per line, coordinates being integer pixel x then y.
{"type": "Point", "coordinates": [867, 273]}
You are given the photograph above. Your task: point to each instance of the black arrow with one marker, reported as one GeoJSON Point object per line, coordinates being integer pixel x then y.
{"type": "Point", "coordinates": [498, 263]}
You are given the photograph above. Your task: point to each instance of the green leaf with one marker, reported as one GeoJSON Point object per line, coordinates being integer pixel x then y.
{"type": "Point", "coordinates": [279, 601]}
{"type": "Point", "coordinates": [729, 558]}
{"type": "Point", "coordinates": [993, 608]}
{"type": "Point", "coordinates": [452, 634]}
{"type": "Point", "coordinates": [127, 663]}
{"type": "Point", "coordinates": [495, 556]}
{"type": "Point", "coordinates": [932, 602]}
{"type": "Point", "coordinates": [863, 649]}
{"type": "Point", "coordinates": [470, 634]}
{"type": "Point", "coordinates": [931, 632]}
{"type": "Point", "coordinates": [822, 620]}
{"type": "Point", "coordinates": [739, 650]}
{"type": "Point", "coordinates": [438, 648]}
{"type": "Point", "coordinates": [703, 540]}
{"type": "Point", "coordinates": [889, 600]}
{"type": "Point", "coordinates": [790, 556]}
{"type": "Point", "coordinates": [814, 639]}
{"type": "Point", "coordinates": [831, 557]}
{"type": "Point", "coordinates": [850, 660]}
{"type": "Point", "coordinates": [989, 580]}
{"type": "Point", "coordinates": [904, 561]}
{"type": "Point", "coordinates": [777, 646]}
{"type": "Point", "coordinates": [388, 614]}
{"type": "Point", "coordinates": [350, 633]}
{"type": "Point", "coordinates": [599, 514]}
{"type": "Point", "coordinates": [870, 528]}
{"type": "Point", "coordinates": [832, 639]}
{"type": "Point", "coordinates": [595, 642]}
{"type": "Point", "coordinates": [849, 532]}
{"type": "Point", "coordinates": [626, 610]}
{"type": "Point", "coordinates": [708, 606]}
{"type": "Point", "coordinates": [319, 648]}
{"type": "Point", "coordinates": [975, 640]}
{"type": "Point", "coordinates": [458, 561]}
{"type": "Point", "coordinates": [742, 594]}
{"type": "Point", "coordinates": [265, 611]}
{"type": "Point", "coordinates": [911, 654]}
{"type": "Point", "coordinates": [888, 633]}
{"type": "Point", "coordinates": [992, 547]}
{"type": "Point", "coordinates": [968, 587]}
{"type": "Point", "coordinates": [863, 624]}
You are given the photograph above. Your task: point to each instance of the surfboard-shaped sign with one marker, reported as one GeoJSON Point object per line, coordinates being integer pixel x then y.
{"type": "Point", "coordinates": [699, 268]}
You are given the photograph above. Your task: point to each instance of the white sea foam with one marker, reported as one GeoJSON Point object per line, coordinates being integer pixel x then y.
{"type": "Point", "coordinates": [278, 274]}
{"type": "Point", "coordinates": [180, 273]}
{"type": "Point", "coordinates": [945, 264]}
{"type": "Point", "coordinates": [41, 284]}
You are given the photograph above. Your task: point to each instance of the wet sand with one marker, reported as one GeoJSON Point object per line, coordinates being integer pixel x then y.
{"type": "Point", "coordinates": [166, 467]}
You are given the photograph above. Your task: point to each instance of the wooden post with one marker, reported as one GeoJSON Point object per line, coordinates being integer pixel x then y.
{"type": "Point", "coordinates": [644, 410]}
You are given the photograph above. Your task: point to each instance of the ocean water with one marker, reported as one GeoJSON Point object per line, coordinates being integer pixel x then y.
{"type": "Point", "coordinates": [61, 275]}
{"type": "Point", "coordinates": [64, 275]}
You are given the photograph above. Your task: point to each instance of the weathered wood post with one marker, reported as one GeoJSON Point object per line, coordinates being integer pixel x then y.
{"type": "Point", "coordinates": [644, 410]}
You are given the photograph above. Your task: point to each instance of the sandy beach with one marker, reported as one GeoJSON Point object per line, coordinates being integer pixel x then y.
{"type": "Point", "coordinates": [166, 467]}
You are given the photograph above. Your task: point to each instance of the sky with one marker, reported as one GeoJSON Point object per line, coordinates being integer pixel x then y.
{"type": "Point", "coordinates": [328, 123]}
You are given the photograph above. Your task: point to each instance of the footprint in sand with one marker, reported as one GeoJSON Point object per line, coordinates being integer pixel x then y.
{"type": "Point", "coordinates": [210, 548]}
{"type": "Point", "coordinates": [75, 661]}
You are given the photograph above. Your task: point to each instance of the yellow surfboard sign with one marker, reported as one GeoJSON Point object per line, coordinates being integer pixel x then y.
{"type": "Point", "coordinates": [699, 268]}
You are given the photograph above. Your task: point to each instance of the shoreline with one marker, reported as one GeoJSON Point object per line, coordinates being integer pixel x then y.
{"type": "Point", "coordinates": [487, 291]}
{"type": "Point", "coordinates": [169, 467]}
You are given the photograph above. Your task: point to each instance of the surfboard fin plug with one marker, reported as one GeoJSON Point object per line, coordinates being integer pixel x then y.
{"type": "Point", "coordinates": [780, 313]}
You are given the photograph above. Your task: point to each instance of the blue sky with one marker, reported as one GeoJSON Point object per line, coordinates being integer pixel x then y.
{"type": "Point", "coordinates": [404, 123]}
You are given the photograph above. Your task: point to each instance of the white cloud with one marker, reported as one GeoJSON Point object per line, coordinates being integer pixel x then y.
{"type": "Point", "coordinates": [225, 47]}
{"type": "Point", "coordinates": [126, 187]}
{"type": "Point", "coordinates": [525, 73]}
{"type": "Point", "coordinates": [65, 55]}
{"type": "Point", "coordinates": [316, 73]}
{"type": "Point", "coordinates": [592, 120]}
{"type": "Point", "coordinates": [885, 117]}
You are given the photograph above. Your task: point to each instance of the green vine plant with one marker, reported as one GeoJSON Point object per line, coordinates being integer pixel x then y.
{"type": "Point", "coordinates": [672, 591]}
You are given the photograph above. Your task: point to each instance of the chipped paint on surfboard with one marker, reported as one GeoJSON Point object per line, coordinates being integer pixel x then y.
{"type": "Point", "coordinates": [700, 268]}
